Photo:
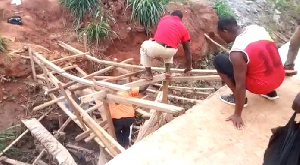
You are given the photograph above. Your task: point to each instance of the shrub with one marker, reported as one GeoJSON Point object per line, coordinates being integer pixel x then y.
{"type": "Point", "coordinates": [3, 44]}
{"type": "Point", "coordinates": [96, 31]}
{"type": "Point", "coordinates": [79, 8]}
{"type": "Point", "coordinates": [147, 12]}
{"type": "Point", "coordinates": [223, 10]}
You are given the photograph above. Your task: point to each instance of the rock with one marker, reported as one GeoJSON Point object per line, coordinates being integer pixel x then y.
{"type": "Point", "coordinates": [14, 66]}
{"type": "Point", "coordinates": [276, 18]}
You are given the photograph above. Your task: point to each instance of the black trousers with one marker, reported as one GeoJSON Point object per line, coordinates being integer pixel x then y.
{"type": "Point", "coordinates": [224, 65]}
{"type": "Point", "coordinates": [122, 130]}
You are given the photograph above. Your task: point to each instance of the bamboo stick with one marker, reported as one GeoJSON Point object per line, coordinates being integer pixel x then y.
{"type": "Point", "coordinates": [123, 76]}
{"type": "Point", "coordinates": [12, 161]}
{"type": "Point", "coordinates": [68, 57]}
{"type": "Point", "coordinates": [46, 104]}
{"type": "Point", "coordinates": [195, 78]}
{"type": "Point", "coordinates": [88, 76]}
{"type": "Point", "coordinates": [142, 82]}
{"type": "Point", "coordinates": [187, 88]}
{"type": "Point", "coordinates": [72, 49]}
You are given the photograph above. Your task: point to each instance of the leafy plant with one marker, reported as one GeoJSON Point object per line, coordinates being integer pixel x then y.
{"type": "Point", "coordinates": [147, 12]}
{"type": "Point", "coordinates": [223, 10]}
{"type": "Point", "coordinates": [79, 8]}
{"type": "Point", "coordinates": [96, 31]}
{"type": "Point", "coordinates": [3, 44]}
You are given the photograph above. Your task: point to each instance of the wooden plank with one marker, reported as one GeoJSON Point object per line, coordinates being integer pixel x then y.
{"type": "Point", "coordinates": [69, 57]}
{"type": "Point", "coordinates": [82, 135]}
{"type": "Point", "coordinates": [195, 78]}
{"type": "Point", "coordinates": [144, 103]}
{"type": "Point", "coordinates": [123, 76]}
{"type": "Point", "coordinates": [53, 147]}
{"type": "Point", "coordinates": [46, 104]}
{"type": "Point", "coordinates": [111, 128]}
{"type": "Point", "coordinates": [114, 147]}
{"type": "Point", "coordinates": [100, 95]}
{"type": "Point", "coordinates": [12, 161]}
{"type": "Point", "coordinates": [142, 82]}
{"type": "Point", "coordinates": [89, 76]}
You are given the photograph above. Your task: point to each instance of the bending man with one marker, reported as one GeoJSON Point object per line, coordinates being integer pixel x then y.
{"type": "Point", "coordinates": [253, 64]}
{"type": "Point", "coordinates": [169, 33]}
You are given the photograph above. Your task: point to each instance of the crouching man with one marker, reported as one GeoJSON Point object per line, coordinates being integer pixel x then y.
{"type": "Point", "coordinates": [123, 116]}
{"type": "Point", "coordinates": [253, 64]}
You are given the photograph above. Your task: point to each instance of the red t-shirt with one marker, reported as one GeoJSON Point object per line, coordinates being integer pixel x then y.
{"type": "Point", "coordinates": [265, 71]}
{"type": "Point", "coordinates": [171, 31]}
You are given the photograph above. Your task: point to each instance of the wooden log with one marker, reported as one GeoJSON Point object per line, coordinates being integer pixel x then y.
{"type": "Point", "coordinates": [144, 103]}
{"type": "Point", "coordinates": [19, 137]}
{"type": "Point", "coordinates": [69, 57]}
{"type": "Point", "coordinates": [32, 64]}
{"type": "Point", "coordinates": [46, 104]}
{"type": "Point", "coordinates": [149, 124]}
{"type": "Point", "coordinates": [78, 79]}
{"type": "Point", "coordinates": [72, 104]}
{"type": "Point", "coordinates": [123, 76]}
{"type": "Point", "coordinates": [114, 147]}
{"type": "Point", "coordinates": [89, 76]}
{"type": "Point", "coordinates": [195, 78]}
{"type": "Point", "coordinates": [142, 82]}
{"type": "Point", "coordinates": [187, 88]}
{"type": "Point", "coordinates": [53, 147]}
{"type": "Point", "coordinates": [82, 135]}
{"type": "Point", "coordinates": [11, 161]}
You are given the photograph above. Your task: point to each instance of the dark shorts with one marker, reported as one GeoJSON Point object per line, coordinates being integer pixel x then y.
{"type": "Point", "coordinates": [224, 65]}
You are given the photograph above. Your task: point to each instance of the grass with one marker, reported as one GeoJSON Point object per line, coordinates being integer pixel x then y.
{"type": "Point", "coordinates": [3, 44]}
{"type": "Point", "coordinates": [7, 136]}
{"type": "Point", "coordinates": [222, 9]}
{"type": "Point", "coordinates": [147, 12]}
{"type": "Point", "coordinates": [79, 8]}
{"type": "Point", "coordinates": [97, 31]}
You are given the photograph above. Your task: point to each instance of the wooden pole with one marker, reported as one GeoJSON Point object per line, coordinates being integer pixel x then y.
{"type": "Point", "coordinates": [46, 104]}
{"type": "Point", "coordinates": [85, 42]}
{"type": "Point", "coordinates": [32, 64]}
{"type": "Point", "coordinates": [214, 42]}
{"type": "Point", "coordinates": [68, 57]}
{"type": "Point", "coordinates": [76, 112]}
{"type": "Point", "coordinates": [12, 161]}
{"type": "Point", "coordinates": [88, 76]}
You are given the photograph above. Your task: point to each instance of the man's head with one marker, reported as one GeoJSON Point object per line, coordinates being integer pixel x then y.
{"type": "Point", "coordinates": [177, 13]}
{"type": "Point", "coordinates": [228, 29]}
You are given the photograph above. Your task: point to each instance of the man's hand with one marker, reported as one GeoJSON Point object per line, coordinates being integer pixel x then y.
{"type": "Point", "coordinates": [236, 120]}
{"type": "Point", "coordinates": [296, 103]}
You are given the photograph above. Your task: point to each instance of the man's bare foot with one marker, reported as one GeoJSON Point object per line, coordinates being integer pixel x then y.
{"type": "Point", "coordinates": [147, 76]}
{"type": "Point", "coordinates": [168, 76]}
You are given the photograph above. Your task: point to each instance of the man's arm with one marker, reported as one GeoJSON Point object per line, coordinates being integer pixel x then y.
{"type": "Point", "coordinates": [296, 103]}
{"type": "Point", "coordinates": [188, 57]}
{"type": "Point", "coordinates": [238, 60]}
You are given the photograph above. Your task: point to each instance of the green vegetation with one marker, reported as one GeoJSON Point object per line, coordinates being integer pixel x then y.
{"type": "Point", "coordinates": [8, 135]}
{"type": "Point", "coordinates": [3, 44]}
{"type": "Point", "coordinates": [79, 8]}
{"type": "Point", "coordinates": [290, 7]}
{"type": "Point", "coordinates": [147, 12]}
{"type": "Point", "coordinates": [96, 31]}
{"type": "Point", "coordinates": [223, 10]}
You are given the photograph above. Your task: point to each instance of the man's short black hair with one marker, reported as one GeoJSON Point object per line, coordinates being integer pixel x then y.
{"type": "Point", "coordinates": [177, 13]}
{"type": "Point", "coordinates": [227, 23]}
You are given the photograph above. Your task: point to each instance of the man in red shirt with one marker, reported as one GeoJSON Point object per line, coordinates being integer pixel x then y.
{"type": "Point", "coordinates": [253, 64]}
{"type": "Point", "coordinates": [169, 33]}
